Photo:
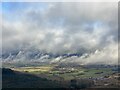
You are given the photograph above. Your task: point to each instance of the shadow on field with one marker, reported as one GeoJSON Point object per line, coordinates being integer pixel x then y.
{"type": "Point", "coordinates": [13, 79]}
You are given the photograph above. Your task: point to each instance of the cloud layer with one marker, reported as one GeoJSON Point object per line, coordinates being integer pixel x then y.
{"type": "Point", "coordinates": [63, 28]}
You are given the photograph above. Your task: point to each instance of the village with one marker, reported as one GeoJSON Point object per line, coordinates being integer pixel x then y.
{"type": "Point", "coordinates": [98, 78]}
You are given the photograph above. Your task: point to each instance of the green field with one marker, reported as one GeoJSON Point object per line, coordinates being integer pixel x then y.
{"type": "Point", "coordinates": [34, 69]}
{"type": "Point", "coordinates": [66, 74]}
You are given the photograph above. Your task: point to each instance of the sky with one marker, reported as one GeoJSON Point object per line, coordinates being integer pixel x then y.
{"type": "Point", "coordinates": [62, 27]}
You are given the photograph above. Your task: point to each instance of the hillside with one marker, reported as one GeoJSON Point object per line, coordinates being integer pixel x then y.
{"type": "Point", "coordinates": [13, 79]}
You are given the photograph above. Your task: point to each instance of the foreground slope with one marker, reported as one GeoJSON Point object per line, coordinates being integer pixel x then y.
{"type": "Point", "coordinates": [13, 79]}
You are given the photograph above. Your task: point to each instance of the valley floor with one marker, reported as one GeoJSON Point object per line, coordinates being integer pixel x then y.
{"type": "Point", "coordinates": [53, 76]}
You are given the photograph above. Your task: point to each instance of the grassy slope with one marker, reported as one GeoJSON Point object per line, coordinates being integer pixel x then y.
{"type": "Point", "coordinates": [22, 80]}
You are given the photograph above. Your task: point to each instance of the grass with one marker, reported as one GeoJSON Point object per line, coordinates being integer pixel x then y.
{"type": "Point", "coordinates": [83, 73]}
{"type": "Point", "coordinates": [33, 69]}
{"type": "Point", "coordinates": [11, 79]}
{"type": "Point", "coordinates": [49, 72]}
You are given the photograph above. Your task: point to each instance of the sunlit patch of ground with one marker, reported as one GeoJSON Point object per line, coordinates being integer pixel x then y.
{"type": "Point", "coordinates": [33, 69]}
{"type": "Point", "coordinates": [66, 74]}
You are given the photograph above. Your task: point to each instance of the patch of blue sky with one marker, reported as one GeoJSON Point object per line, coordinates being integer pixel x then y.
{"type": "Point", "coordinates": [98, 24]}
{"type": "Point", "coordinates": [0, 7]}
{"type": "Point", "coordinates": [13, 10]}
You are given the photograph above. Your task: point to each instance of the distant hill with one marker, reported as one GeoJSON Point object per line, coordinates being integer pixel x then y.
{"type": "Point", "coordinates": [34, 56]}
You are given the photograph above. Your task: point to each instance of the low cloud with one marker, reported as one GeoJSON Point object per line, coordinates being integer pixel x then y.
{"type": "Point", "coordinates": [65, 28]}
